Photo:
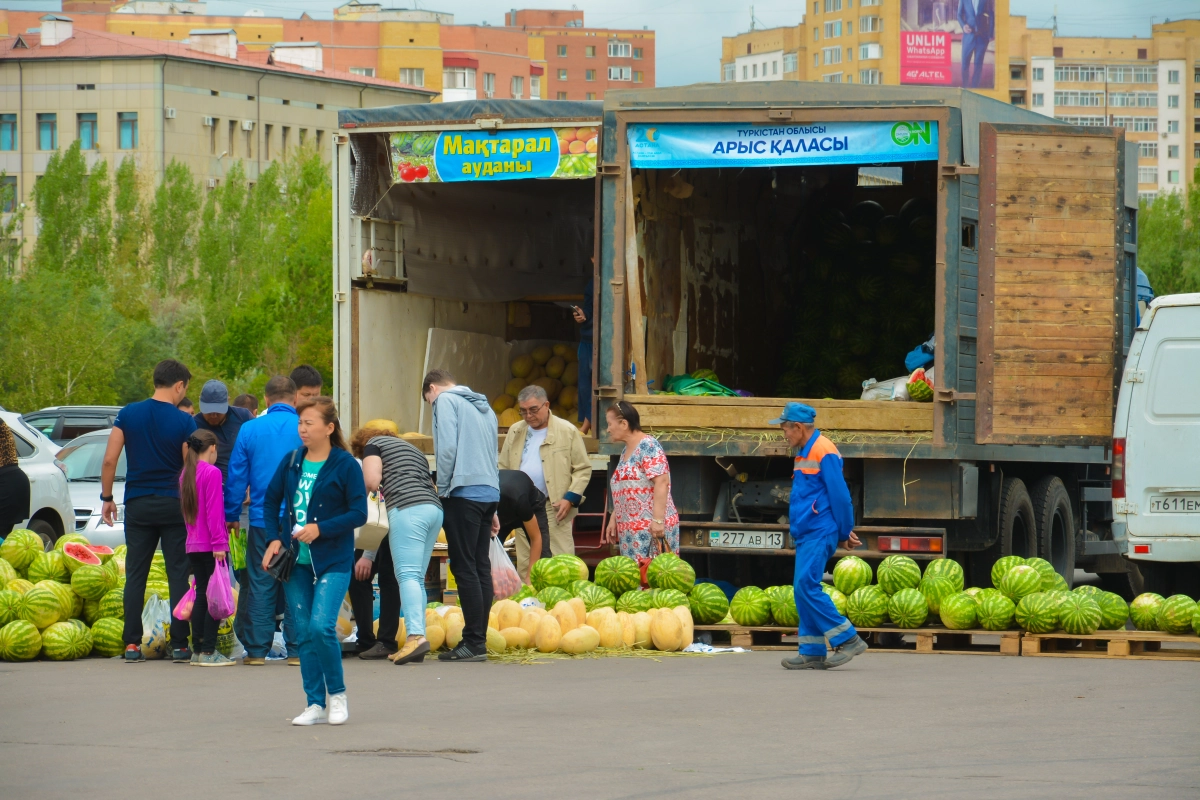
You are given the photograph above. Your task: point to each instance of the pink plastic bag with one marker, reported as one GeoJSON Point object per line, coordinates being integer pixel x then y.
{"type": "Point", "coordinates": [220, 593]}
{"type": "Point", "coordinates": [183, 609]}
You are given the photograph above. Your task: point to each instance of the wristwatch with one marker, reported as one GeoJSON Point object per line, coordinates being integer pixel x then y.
{"type": "Point", "coordinates": [658, 521]}
{"type": "Point", "coordinates": [107, 499]}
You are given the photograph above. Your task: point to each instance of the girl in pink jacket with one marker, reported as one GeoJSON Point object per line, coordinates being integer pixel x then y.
{"type": "Point", "coordinates": [201, 495]}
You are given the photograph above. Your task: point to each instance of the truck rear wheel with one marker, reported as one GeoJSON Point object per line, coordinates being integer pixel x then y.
{"type": "Point", "coordinates": [1055, 525]}
{"type": "Point", "coordinates": [1018, 524]}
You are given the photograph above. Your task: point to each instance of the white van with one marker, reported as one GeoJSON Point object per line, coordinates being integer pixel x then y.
{"type": "Point", "coordinates": [1156, 448]}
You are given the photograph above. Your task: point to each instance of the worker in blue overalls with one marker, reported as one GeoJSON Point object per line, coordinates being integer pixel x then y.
{"type": "Point", "coordinates": [821, 516]}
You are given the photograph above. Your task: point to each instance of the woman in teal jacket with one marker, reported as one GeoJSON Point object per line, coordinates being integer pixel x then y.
{"type": "Point", "coordinates": [326, 500]}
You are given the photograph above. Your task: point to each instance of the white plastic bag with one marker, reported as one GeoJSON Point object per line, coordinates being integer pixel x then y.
{"type": "Point", "coordinates": [882, 390]}
{"type": "Point", "coordinates": [278, 648]}
{"type": "Point", "coordinates": [156, 627]}
{"type": "Point", "coordinates": [505, 580]}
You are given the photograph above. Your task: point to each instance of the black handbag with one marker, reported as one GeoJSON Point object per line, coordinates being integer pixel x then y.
{"type": "Point", "coordinates": [280, 565]}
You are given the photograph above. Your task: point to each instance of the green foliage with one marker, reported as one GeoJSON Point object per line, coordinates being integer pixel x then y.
{"type": "Point", "coordinates": [1169, 241]}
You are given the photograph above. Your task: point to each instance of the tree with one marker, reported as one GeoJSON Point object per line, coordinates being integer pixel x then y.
{"type": "Point", "coordinates": [1169, 241]}
{"type": "Point", "coordinates": [173, 222]}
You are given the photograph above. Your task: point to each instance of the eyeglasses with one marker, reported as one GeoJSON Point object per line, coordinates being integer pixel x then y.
{"type": "Point", "coordinates": [529, 412]}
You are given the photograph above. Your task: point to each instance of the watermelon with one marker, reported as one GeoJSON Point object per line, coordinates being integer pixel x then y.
{"type": "Point", "coordinates": [867, 607]}
{"type": "Point", "coordinates": [41, 607]}
{"type": "Point", "coordinates": [1003, 565]}
{"type": "Point", "coordinates": [105, 554]}
{"type": "Point", "coordinates": [83, 642]}
{"type": "Point", "coordinates": [839, 599]}
{"type": "Point", "coordinates": [552, 595]}
{"type": "Point", "coordinates": [49, 567]}
{"type": "Point", "coordinates": [66, 598]}
{"type": "Point", "coordinates": [1037, 613]}
{"type": "Point", "coordinates": [19, 641]}
{"type": "Point", "coordinates": [1079, 614]}
{"type": "Point", "coordinates": [669, 571]}
{"type": "Point", "coordinates": [75, 555]}
{"type": "Point", "coordinates": [576, 565]}
{"type": "Point", "coordinates": [20, 586]}
{"type": "Point", "coordinates": [974, 590]}
{"type": "Point", "coordinates": [958, 611]}
{"type": "Point", "coordinates": [995, 611]}
{"type": "Point", "coordinates": [537, 574]}
{"type": "Point", "coordinates": [577, 586]}
{"type": "Point", "coordinates": [20, 548]}
{"type": "Point", "coordinates": [7, 573]}
{"type": "Point", "coordinates": [783, 607]}
{"type": "Point", "coordinates": [91, 611]}
{"type": "Point", "coordinates": [907, 609]}
{"type": "Point", "coordinates": [1046, 570]}
{"type": "Point", "coordinates": [778, 592]}
{"type": "Point", "coordinates": [1060, 584]}
{"type": "Point", "coordinates": [69, 538]}
{"type": "Point", "coordinates": [112, 605]}
{"type": "Point", "coordinates": [120, 550]}
{"type": "Point", "coordinates": [618, 574]}
{"type": "Point", "coordinates": [161, 589]}
{"type": "Point", "coordinates": [1090, 591]}
{"type": "Point", "coordinates": [557, 572]}
{"type": "Point", "coordinates": [750, 606]}
{"type": "Point", "coordinates": [1019, 582]}
{"type": "Point", "coordinates": [91, 583]}
{"type": "Point", "coordinates": [667, 598]}
{"type": "Point", "coordinates": [898, 572]}
{"type": "Point", "coordinates": [10, 606]}
{"type": "Point", "coordinates": [108, 637]}
{"type": "Point", "coordinates": [60, 642]}
{"type": "Point", "coordinates": [525, 591]}
{"type": "Point", "coordinates": [1175, 614]}
{"type": "Point", "coordinates": [948, 569]}
{"type": "Point", "coordinates": [1114, 611]}
{"type": "Point", "coordinates": [850, 574]}
{"type": "Point", "coordinates": [1143, 610]}
{"type": "Point", "coordinates": [594, 597]}
{"type": "Point", "coordinates": [935, 590]}
{"type": "Point", "coordinates": [635, 600]}
{"type": "Point", "coordinates": [1196, 620]}
{"type": "Point", "coordinates": [707, 602]}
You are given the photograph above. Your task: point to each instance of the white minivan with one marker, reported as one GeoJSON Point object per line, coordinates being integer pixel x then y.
{"type": "Point", "coordinates": [1156, 448]}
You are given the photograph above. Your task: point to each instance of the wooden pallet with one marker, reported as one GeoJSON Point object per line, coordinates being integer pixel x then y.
{"type": "Point", "coordinates": [944, 640]}
{"type": "Point", "coordinates": [1133, 645]}
{"type": "Point", "coordinates": [762, 637]}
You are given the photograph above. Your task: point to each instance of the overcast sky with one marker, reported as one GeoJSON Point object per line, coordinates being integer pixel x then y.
{"type": "Point", "coordinates": [689, 32]}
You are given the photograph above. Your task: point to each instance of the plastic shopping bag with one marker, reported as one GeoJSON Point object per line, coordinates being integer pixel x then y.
{"type": "Point", "coordinates": [156, 622]}
{"type": "Point", "coordinates": [237, 549]}
{"type": "Point", "coordinates": [220, 593]}
{"type": "Point", "coordinates": [183, 609]}
{"type": "Point", "coordinates": [505, 580]}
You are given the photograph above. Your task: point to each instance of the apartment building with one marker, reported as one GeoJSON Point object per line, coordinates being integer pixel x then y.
{"type": "Point", "coordinates": [207, 101]}
{"type": "Point", "coordinates": [767, 54]}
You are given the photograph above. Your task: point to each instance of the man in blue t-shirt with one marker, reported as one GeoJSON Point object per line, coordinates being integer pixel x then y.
{"type": "Point", "coordinates": [153, 433]}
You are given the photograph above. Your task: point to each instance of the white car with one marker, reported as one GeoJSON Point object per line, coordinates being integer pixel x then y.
{"type": "Point", "coordinates": [1156, 449]}
{"type": "Point", "coordinates": [82, 458]}
{"type": "Point", "coordinates": [50, 511]}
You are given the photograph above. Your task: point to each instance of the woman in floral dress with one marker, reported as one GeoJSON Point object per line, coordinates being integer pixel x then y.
{"type": "Point", "coordinates": [644, 516]}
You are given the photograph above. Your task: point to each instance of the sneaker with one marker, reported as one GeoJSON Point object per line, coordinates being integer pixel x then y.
{"type": "Point", "coordinates": [313, 715]}
{"type": "Point", "coordinates": [804, 662]}
{"type": "Point", "coordinates": [253, 661]}
{"type": "Point", "coordinates": [182, 655]}
{"type": "Point", "coordinates": [214, 660]}
{"type": "Point", "coordinates": [133, 654]}
{"type": "Point", "coordinates": [339, 709]}
{"type": "Point", "coordinates": [846, 651]}
{"type": "Point", "coordinates": [379, 650]}
{"type": "Point", "coordinates": [195, 659]}
{"type": "Point", "coordinates": [293, 661]}
{"type": "Point", "coordinates": [462, 653]}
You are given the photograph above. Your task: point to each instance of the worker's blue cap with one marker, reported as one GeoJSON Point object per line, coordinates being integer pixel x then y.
{"type": "Point", "coordinates": [796, 412]}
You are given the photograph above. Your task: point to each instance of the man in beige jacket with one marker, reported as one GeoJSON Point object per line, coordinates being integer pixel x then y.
{"type": "Point", "coordinates": [551, 452]}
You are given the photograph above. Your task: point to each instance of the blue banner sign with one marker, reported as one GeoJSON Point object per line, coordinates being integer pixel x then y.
{"type": "Point", "coordinates": [675, 145]}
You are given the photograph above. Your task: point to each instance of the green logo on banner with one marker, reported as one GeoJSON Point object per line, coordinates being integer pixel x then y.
{"type": "Point", "coordinates": [906, 133]}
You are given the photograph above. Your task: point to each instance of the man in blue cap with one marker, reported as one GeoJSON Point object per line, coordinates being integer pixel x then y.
{"type": "Point", "coordinates": [821, 516]}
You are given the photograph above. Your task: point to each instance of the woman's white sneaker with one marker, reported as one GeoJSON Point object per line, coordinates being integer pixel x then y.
{"type": "Point", "coordinates": [339, 711]}
{"type": "Point", "coordinates": [315, 715]}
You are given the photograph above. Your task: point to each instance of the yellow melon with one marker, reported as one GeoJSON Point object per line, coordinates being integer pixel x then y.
{"type": "Point", "coordinates": [570, 376]}
{"type": "Point", "coordinates": [641, 630]}
{"type": "Point", "coordinates": [541, 354]}
{"type": "Point", "coordinates": [454, 630]}
{"type": "Point", "coordinates": [516, 637]}
{"type": "Point", "coordinates": [549, 634]}
{"type": "Point", "coordinates": [565, 615]}
{"type": "Point", "coordinates": [508, 614]}
{"type": "Point", "coordinates": [561, 349]}
{"type": "Point", "coordinates": [665, 630]}
{"type": "Point", "coordinates": [581, 640]}
{"type": "Point", "coordinates": [628, 631]}
{"type": "Point", "coordinates": [572, 354]}
{"type": "Point", "coordinates": [434, 618]}
{"type": "Point", "coordinates": [492, 620]}
{"type": "Point", "coordinates": [556, 366]}
{"type": "Point", "coordinates": [401, 633]}
{"type": "Point", "coordinates": [610, 630]}
{"type": "Point", "coordinates": [579, 608]}
{"type": "Point", "coordinates": [521, 366]}
{"type": "Point", "coordinates": [383, 425]}
{"type": "Point", "coordinates": [538, 372]}
{"type": "Point", "coordinates": [502, 403]}
{"type": "Point", "coordinates": [436, 635]}
{"type": "Point", "coordinates": [569, 397]}
{"type": "Point", "coordinates": [685, 622]}
{"type": "Point", "coordinates": [593, 617]}
{"type": "Point", "coordinates": [495, 642]}
{"type": "Point", "coordinates": [552, 387]}
{"type": "Point", "coordinates": [529, 621]}
{"type": "Point", "coordinates": [508, 418]}
{"type": "Point", "coordinates": [514, 387]}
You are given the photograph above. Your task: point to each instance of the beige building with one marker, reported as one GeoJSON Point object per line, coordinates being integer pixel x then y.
{"type": "Point", "coordinates": [205, 101]}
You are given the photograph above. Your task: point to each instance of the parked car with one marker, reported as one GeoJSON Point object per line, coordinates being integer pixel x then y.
{"type": "Point", "coordinates": [50, 510]}
{"type": "Point", "coordinates": [82, 458]}
{"type": "Point", "coordinates": [61, 424]}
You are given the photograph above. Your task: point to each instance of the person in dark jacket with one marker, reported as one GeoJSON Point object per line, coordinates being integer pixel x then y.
{"type": "Point", "coordinates": [326, 500]}
{"type": "Point", "coordinates": [14, 484]}
{"type": "Point", "coordinates": [222, 419]}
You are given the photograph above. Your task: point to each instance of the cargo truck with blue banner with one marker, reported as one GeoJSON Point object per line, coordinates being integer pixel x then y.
{"type": "Point", "coordinates": [950, 281]}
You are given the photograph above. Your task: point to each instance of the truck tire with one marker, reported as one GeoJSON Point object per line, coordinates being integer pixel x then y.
{"type": "Point", "coordinates": [1017, 524]}
{"type": "Point", "coordinates": [1055, 525]}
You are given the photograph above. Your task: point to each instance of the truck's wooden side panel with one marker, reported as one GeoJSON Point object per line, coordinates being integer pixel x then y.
{"type": "Point", "coordinates": [1048, 299]}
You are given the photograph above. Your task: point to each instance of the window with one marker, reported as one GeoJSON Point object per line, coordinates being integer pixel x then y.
{"type": "Point", "coordinates": [1039, 73]}
{"type": "Point", "coordinates": [562, 51]}
{"type": "Point", "coordinates": [1172, 176]}
{"type": "Point", "coordinates": [832, 55]}
{"type": "Point", "coordinates": [212, 136]}
{"type": "Point", "coordinates": [870, 50]}
{"type": "Point", "coordinates": [1147, 197]}
{"type": "Point", "coordinates": [1016, 98]}
{"type": "Point", "coordinates": [1092, 122]}
{"type": "Point", "coordinates": [1079, 98]}
{"type": "Point", "coordinates": [47, 130]}
{"type": "Point", "coordinates": [1145, 74]}
{"type": "Point", "coordinates": [833, 5]}
{"type": "Point", "coordinates": [1058, 52]}
{"type": "Point", "coordinates": [865, 3]}
{"type": "Point", "coordinates": [1172, 151]}
{"type": "Point", "coordinates": [590, 96]}
{"type": "Point", "coordinates": [86, 125]}
{"type": "Point", "coordinates": [791, 62]}
{"type": "Point", "coordinates": [303, 136]}
{"type": "Point", "coordinates": [836, 77]}
{"type": "Point", "coordinates": [620, 73]}
{"type": "Point", "coordinates": [560, 96]}
{"type": "Point", "coordinates": [267, 141]}
{"type": "Point", "coordinates": [870, 76]}
{"type": "Point", "coordinates": [1147, 149]}
{"type": "Point", "coordinates": [638, 76]}
{"type": "Point", "coordinates": [728, 72]}
{"type": "Point", "coordinates": [1172, 101]}
{"type": "Point", "coordinates": [535, 87]}
{"type": "Point", "coordinates": [518, 87]}
{"type": "Point", "coordinates": [366, 72]}
{"type": "Point", "coordinates": [1172, 76]}
{"type": "Point", "coordinates": [1142, 53]}
{"type": "Point", "coordinates": [1133, 99]}
{"type": "Point", "coordinates": [816, 61]}
{"type": "Point", "coordinates": [849, 28]}
{"type": "Point", "coordinates": [1196, 150]}
{"type": "Point", "coordinates": [1195, 125]}
{"type": "Point", "coordinates": [283, 140]}
{"type": "Point", "coordinates": [637, 52]}
{"type": "Point", "coordinates": [833, 29]}
{"type": "Point", "coordinates": [589, 74]}
{"type": "Point", "coordinates": [754, 70]}
{"type": "Point", "coordinates": [775, 67]}
{"type": "Point", "coordinates": [1136, 124]}
{"type": "Point", "coordinates": [8, 131]}
{"type": "Point", "coordinates": [1039, 100]}
{"type": "Point", "coordinates": [232, 147]}
{"type": "Point", "coordinates": [489, 84]}
{"type": "Point", "coordinates": [1016, 73]}
{"type": "Point", "coordinates": [1172, 125]}
{"type": "Point", "coordinates": [816, 6]}
{"type": "Point", "coordinates": [458, 78]}
{"type": "Point", "coordinates": [8, 193]}
{"type": "Point", "coordinates": [413, 76]}
{"type": "Point", "coordinates": [745, 72]}
{"type": "Point", "coordinates": [1147, 174]}
{"type": "Point", "coordinates": [1079, 73]}
{"type": "Point", "coordinates": [870, 24]}
{"type": "Point", "coordinates": [620, 49]}
{"type": "Point", "coordinates": [816, 34]}
{"type": "Point", "coordinates": [589, 51]}
{"type": "Point", "coordinates": [562, 74]}
{"type": "Point", "coordinates": [85, 87]}
{"type": "Point", "coordinates": [849, 56]}
{"type": "Point", "coordinates": [1196, 100]}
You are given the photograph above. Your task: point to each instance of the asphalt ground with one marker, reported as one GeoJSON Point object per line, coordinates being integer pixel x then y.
{"type": "Point", "coordinates": [887, 725]}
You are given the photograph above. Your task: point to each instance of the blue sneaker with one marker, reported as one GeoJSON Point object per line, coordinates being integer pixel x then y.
{"type": "Point", "coordinates": [133, 654]}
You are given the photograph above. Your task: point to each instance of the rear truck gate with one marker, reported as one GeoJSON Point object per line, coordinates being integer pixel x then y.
{"type": "Point", "coordinates": [797, 240]}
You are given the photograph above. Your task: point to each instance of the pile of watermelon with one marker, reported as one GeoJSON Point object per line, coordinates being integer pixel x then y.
{"type": "Point", "coordinates": [65, 603]}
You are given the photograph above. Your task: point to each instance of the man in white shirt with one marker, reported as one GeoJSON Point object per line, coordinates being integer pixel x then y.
{"type": "Point", "coordinates": [552, 453]}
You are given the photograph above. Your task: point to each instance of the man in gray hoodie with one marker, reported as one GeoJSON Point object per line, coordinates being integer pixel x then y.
{"type": "Point", "coordinates": [468, 481]}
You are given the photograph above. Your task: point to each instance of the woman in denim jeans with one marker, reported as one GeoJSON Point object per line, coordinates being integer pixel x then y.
{"type": "Point", "coordinates": [326, 500]}
{"type": "Point", "coordinates": [414, 520]}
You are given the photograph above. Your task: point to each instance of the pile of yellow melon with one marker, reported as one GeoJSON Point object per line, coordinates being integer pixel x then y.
{"type": "Point", "coordinates": [569, 628]}
{"type": "Point", "coordinates": [555, 369]}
